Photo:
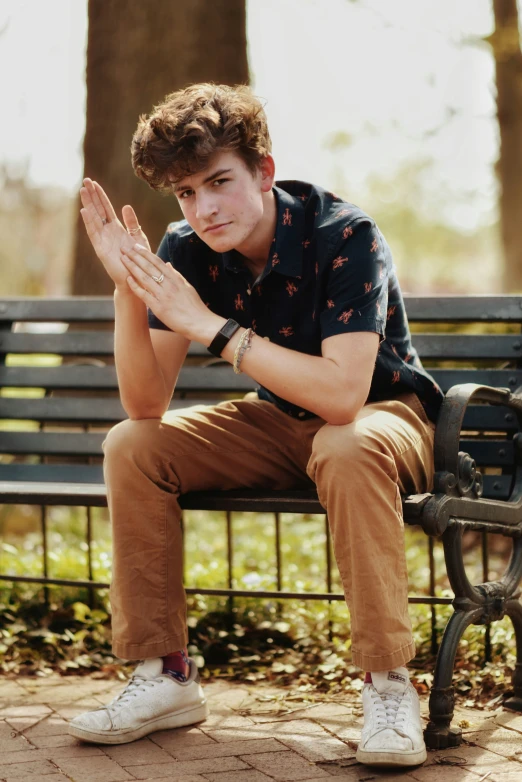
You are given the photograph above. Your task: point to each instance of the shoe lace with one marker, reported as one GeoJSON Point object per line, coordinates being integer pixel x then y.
{"type": "Point", "coordinates": [136, 685]}
{"type": "Point", "coordinates": [389, 709]}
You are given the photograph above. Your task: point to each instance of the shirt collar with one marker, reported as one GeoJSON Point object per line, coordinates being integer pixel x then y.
{"type": "Point", "coordinates": [286, 252]}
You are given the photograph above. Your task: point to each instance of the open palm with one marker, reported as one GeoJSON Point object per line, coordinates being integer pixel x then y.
{"type": "Point", "coordinates": [107, 234]}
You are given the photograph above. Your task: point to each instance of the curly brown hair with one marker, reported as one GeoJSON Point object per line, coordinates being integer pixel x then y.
{"type": "Point", "coordinates": [183, 132]}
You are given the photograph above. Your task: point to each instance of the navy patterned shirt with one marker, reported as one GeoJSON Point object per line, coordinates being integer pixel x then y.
{"type": "Point", "coordinates": [330, 271]}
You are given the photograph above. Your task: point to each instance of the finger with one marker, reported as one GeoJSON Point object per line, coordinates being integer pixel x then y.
{"type": "Point", "coordinates": [148, 255]}
{"type": "Point", "coordinates": [95, 199]}
{"type": "Point", "coordinates": [90, 211]}
{"type": "Point", "coordinates": [85, 197]}
{"type": "Point", "coordinates": [93, 226]}
{"type": "Point", "coordinates": [143, 275]}
{"type": "Point", "coordinates": [105, 202]}
{"type": "Point", "coordinates": [87, 202]}
{"type": "Point", "coordinates": [146, 260]}
{"type": "Point", "coordinates": [131, 221]}
{"type": "Point", "coordinates": [141, 292]}
{"type": "Point", "coordinates": [86, 219]}
{"type": "Point", "coordinates": [91, 233]}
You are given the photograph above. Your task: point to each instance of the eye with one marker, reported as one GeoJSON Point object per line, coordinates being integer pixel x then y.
{"type": "Point", "coordinates": [184, 194]}
{"type": "Point", "coordinates": [219, 181]}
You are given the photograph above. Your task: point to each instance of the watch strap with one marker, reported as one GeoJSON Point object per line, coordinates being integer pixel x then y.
{"type": "Point", "coordinates": [223, 336]}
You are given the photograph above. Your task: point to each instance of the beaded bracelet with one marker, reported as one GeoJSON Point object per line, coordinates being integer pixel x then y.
{"type": "Point", "coordinates": [244, 344]}
{"type": "Point", "coordinates": [242, 338]}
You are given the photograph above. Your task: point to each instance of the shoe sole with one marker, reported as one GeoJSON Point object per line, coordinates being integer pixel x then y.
{"type": "Point", "coordinates": [177, 720]}
{"type": "Point", "coordinates": [372, 758]}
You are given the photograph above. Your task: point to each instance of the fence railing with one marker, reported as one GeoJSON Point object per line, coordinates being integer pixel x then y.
{"type": "Point", "coordinates": [428, 598]}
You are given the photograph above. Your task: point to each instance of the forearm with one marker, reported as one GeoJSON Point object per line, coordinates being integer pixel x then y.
{"type": "Point", "coordinates": [142, 387]}
{"type": "Point", "coordinates": [315, 383]}
{"type": "Point", "coordinates": [311, 382]}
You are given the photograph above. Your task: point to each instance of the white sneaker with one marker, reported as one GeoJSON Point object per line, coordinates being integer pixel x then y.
{"type": "Point", "coordinates": [151, 701]}
{"type": "Point", "coordinates": [392, 732]}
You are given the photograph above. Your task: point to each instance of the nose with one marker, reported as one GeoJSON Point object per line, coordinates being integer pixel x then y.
{"type": "Point", "coordinates": [206, 206]}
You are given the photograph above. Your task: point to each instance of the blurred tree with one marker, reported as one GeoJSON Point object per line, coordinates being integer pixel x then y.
{"type": "Point", "coordinates": [505, 44]}
{"type": "Point", "coordinates": [36, 225]}
{"type": "Point", "coordinates": [136, 54]}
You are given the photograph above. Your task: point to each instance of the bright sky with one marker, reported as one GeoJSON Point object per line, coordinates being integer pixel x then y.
{"type": "Point", "coordinates": [397, 77]}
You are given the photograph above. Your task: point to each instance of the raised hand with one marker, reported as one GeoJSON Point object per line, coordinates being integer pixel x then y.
{"type": "Point", "coordinates": [107, 234]}
{"type": "Point", "coordinates": [169, 295]}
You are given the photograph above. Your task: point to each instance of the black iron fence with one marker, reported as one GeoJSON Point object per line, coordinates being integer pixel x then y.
{"type": "Point", "coordinates": [426, 596]}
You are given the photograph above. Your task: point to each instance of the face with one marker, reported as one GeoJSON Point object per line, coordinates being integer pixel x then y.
{"type": "Point", "coordinates": [224, 204]}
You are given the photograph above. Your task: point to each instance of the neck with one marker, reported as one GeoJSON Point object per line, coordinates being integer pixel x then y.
{"type": "Point", "coordinates": [256, 248]}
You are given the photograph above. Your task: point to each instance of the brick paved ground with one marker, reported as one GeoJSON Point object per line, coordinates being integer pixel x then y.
{"type": "Point", "coordinates": [254, 734]}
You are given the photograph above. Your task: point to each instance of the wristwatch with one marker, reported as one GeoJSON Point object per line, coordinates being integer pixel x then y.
{"type": "Point", "coordinates": [224, 334]}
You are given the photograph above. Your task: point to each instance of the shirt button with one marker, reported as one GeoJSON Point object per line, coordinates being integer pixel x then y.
{"type": "Point", "coordinates": [301, 414]}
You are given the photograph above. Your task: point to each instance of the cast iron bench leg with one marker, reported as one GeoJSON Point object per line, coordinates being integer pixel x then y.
{"type": "Point", "coordinates": [440, 734]}
{"type": "Point", "coordinates": [480, 604]}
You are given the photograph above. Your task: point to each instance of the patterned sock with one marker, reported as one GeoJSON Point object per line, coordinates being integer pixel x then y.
{"type": "Point", "coordinates": [176, 664]}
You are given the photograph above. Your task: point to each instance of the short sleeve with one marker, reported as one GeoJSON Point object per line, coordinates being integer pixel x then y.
{"type": "Point", "coordinates": [356, 283]}
{"type": "Point", "coordinates": [162, 252]}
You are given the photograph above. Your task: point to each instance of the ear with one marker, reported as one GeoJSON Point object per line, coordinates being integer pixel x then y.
{"type": "Point", "coordinates": [267, 171]}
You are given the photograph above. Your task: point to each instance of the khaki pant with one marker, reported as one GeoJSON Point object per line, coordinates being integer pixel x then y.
{"type": "Point", "coordinates": [359, 470]}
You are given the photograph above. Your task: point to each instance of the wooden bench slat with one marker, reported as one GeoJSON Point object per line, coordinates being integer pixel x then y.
{"type": "Point", "coordinates": [52, 443]}
{"type": "Point", "coordinates": [497, 487]}
{"type": "Point", "coordinates": [468, 347]}
{"type": "Point", "coordinates": [71, 343]}
{"type": "Point", "coordinates": [490, 418]}
{"type": "Point", "coordinates": [493, 453]}
{"type": "Point", "coordinates": [62, 474]}
{"type": "Point", "coordinates": [104, 410]}
{"type": "Point", "coordinates": [27, 487]}
{"type": "Point", "coordinates": [92, 343]}
{"type": "Point", "coordinates": [429, 346]}
{"type": "Point", "coordinates": [68, 309]}
{"type": "Point", "coordinates": [464, 309]}
{"type": "Point", "coordinates": [477, 307]}
{"type": "Point", "coordinates": [101, 410]}
{"type": "Point", "coordinates": [34, 492]}
{"type": "Point", "coordinates": [78, 377]}
{"type": "Point", "coordinates": [213, 378]}
{"type": "Point", "coordinates": [498, 378]}
{"type": "Point", "coordinates": [490, 453]}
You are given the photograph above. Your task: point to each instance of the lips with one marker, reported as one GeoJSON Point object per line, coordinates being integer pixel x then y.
{"type": "Point", "coordinates": [213, 228]}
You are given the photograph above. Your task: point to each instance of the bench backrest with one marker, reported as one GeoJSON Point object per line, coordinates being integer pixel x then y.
{"type": "Point", "coordinates": [58, 387]}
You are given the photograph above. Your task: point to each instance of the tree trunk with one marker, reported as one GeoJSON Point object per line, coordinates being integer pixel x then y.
{"type": "Point", "coordinates": [505, 43]}
{"type": "Point", "coordinates": [138, 52]}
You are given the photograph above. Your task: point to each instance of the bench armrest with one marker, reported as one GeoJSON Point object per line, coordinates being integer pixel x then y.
{"type": "Point", "coordinates": [455, 471]}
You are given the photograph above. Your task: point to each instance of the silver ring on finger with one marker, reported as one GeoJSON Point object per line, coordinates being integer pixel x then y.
{"type": "Point", "coordinates": [104, 220]}
{"type": "Point", "coordinates": [159, 279]}
{"type": "Point", "coordinates": [133, 231]}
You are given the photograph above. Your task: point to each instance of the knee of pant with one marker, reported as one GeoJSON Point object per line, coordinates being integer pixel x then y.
{"type": "Point", "coordinates": [129, 438]}
{"type": "Point", "coordinates": [340, 448]}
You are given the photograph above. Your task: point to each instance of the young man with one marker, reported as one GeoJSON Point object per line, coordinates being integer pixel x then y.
{"type": "Point", "coordinates": [296, 288]}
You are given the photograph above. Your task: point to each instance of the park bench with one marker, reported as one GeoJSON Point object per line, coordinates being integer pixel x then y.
{"type": "Point", "coordinates": [58, 462]}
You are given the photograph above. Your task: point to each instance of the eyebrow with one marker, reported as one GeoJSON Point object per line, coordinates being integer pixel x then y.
{"type": "Point", "coordinates": [208, 179]}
